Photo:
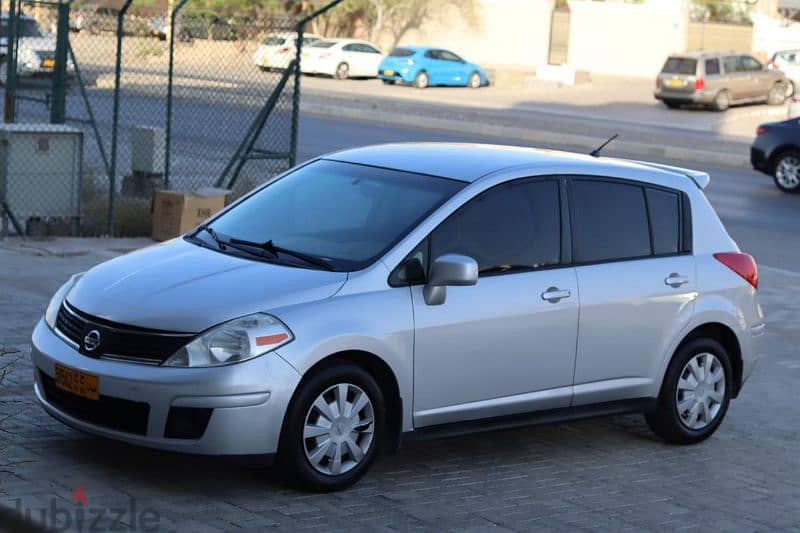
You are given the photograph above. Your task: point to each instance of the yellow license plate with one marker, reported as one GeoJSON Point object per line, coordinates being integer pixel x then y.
{"type": "Point", "coordinates": [78, 383]}
{"type": "Point", "coordinates": [49, 63]}
{"type": "Point", "coordinates": [674, 83]}
{"type": "Point", "coordinates": [388, 73]}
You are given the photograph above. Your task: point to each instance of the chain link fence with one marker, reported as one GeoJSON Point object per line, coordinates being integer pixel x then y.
{"type": "Point", "coordinates": [201, 101]}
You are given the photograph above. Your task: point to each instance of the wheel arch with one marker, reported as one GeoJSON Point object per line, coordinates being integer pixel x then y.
{"type": "Point", "coordinates": [772, 160]}
{"type": "Point", "coordinates": [383, 374]}
{"type": "Point", "coordinates": [723, 334]}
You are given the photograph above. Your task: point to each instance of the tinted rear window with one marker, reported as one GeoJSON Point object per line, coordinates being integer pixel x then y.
{"type": "Point", "coordinates": [664, 208]}
{"type": "Point", "coordinates": [680, 65]}
{"type": "Point", "coordinates": [609, 221]}
{"type": "Point", "coordinates": [401, 52]}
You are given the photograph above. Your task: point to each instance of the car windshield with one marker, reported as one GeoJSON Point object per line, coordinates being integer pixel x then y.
{"type": "Point", "coordinates": [342, 214]}
{"type": "Point", "coordinates": [680, 65]}
{"type": "Point", "coordinates": [26, 28]}
{"type": "Point", "coordinates": [273, 41]}
{"type": "Point", "coordinates": [323, 44]}
{"type": "Point", "coordinates": [401, 52]}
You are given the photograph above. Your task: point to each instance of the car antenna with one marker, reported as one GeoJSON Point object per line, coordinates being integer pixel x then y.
{"type": "Point", "coordinates": [596, 151]}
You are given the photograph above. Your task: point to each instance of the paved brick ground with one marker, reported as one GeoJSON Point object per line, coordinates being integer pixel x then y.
{"type": "Point", "coordinates": [609, 474]}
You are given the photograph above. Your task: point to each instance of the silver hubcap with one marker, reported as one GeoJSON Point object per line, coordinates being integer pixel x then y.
{"type": "Point", "coordinates": [701, 390]}
{"type": "Point", "coordinates": [343, 71]}
{"type": "Point", "coordinates": [423, 80]}
{"type": "Point", "coordinates": [788, 172]}
{"type": "Point", "coordinates": [339, 429]}
{"type": "Point", "coordinates": [476, 80]}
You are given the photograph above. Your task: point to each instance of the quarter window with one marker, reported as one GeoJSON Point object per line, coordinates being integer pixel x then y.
{"type": "Point", "coordinates": [512, 227]}
{"type": "Point", "coordinates": [664, 209]}
{"type": "Point", "coordinates": [609, 221]}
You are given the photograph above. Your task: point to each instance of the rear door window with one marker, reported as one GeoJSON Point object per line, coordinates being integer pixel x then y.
{"type": "Point", "coordinates": [609, 221]}
{"type": "Point", "coordinates": [712, 67]}
{"type": "Point", "coordinates": [680, 65]}
{"type": "Point", "coordinates": [731, 64]}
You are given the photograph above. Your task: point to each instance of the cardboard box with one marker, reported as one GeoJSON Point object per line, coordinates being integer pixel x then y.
{"type": "Point", "coordinates": [176, 212]}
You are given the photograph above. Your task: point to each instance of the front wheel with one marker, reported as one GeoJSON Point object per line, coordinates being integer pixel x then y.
{"type": "Point", "coordinates": [475, 81]}
{"type": "Point", "coordinates": [332, 428]}
{"type": "Point", "coordinates": [787, 172]}
{"type": "Point", "coordinates": [695, 394]}
{"type": "Point", "coordinates": [777, 94]}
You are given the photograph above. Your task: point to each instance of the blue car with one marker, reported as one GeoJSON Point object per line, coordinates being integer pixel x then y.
{"type": "Point", "coordinates": [424, 66]}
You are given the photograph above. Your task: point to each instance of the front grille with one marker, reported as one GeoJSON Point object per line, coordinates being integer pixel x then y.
{"type": "Point", "coordinates": [109, 412]}
{"type": "Point", "coordinates": [118, 342]}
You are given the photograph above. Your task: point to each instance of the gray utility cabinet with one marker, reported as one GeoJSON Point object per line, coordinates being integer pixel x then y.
{"type": "Point", "coordinates": [40, 174]}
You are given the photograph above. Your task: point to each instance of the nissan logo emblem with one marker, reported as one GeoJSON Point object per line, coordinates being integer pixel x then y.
{"type": "Point", "coordinates": [92, 340]}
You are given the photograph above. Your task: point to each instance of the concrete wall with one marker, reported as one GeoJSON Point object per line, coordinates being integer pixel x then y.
{"type": "Point", "coordinates": [625, 39]}
{"type": "Point", "coordinates": [502, 33]}
{"type": "Point", "coordinates": [714, 36]}
{"type": "Point", "coordinates": [771, 35]}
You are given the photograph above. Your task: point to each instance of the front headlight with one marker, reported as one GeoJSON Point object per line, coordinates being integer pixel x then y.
{"type": "Point", "coordinates": [233, 342]}
{"type": "Point", "coordinates": [51, 312]}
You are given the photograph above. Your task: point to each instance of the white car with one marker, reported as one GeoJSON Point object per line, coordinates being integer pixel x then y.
{"type": "Point", "coordinates": [788, 62]}
{"type": "Point", "coordinates": [36, 52]}
{"type": "Point", "coordinates": [342, 59]}
{"type": "Point", "coordinates": [278, 49]}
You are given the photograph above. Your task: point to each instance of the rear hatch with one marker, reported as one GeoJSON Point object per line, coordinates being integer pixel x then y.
{"type": "Point", "coordinates": [678, 75]}
{"type": "Point", "coordinates": [398, 59]}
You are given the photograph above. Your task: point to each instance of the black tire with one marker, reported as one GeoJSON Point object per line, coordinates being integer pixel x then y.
{"type": "Point", "coordinates": [672, 104]}
{"type": "Point", "coordinates": [777, 94]}
{"type": "Point", "coordinates": [790, 184]}
{"type": "Point", "coordinates": [474, 81]}
{"type": "Point", "coordinates": [666, 421]}
{"type": "Point", "coordinates": [342, 71]}
{"type": "Point", "coordinates": [722, 101]}
{"type": "Point", "coordinates": [292, 460]}
{"type": "Point", "coordinates": [422, 81]}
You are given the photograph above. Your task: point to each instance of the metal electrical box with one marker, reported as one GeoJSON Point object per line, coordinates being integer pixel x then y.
{"type": "Point", "coordinates": [40, 174]}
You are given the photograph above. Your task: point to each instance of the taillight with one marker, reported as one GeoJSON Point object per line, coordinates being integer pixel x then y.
{"type": "Point", "coordinates": [283, 49]}
{"type": "Point", "coordinates": [741, 263]}
{"type": "Point", "coordinates": [699, 84]}
{"type": "Point", "coordinates": [773, 66]}
{"type": "Point", "coordinates": [761, 130]}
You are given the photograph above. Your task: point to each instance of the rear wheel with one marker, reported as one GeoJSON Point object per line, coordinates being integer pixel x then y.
{"type": "Point", "coordinates": [777, 94]}
{"type": "Point", "coordinates": [722, 101]}
{"type": "Point", "coordinates": [342, 71]}
{"type": "Point", "coordinates": [695, 394]}
{"type": "Point", "coordinates": [787, 172]}
{"type": "Point", "coordinates": [332, 428]}
{"type": "Point", "coordinates": [422, 80]}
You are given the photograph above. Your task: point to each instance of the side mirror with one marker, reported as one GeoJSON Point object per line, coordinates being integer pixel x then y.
{"type": "Point", "coordinates": [449, 269]}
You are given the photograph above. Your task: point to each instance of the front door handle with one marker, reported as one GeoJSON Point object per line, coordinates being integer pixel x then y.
{"type": "Point", "coordinates": [675, 280]}
{"type": "Point", "coordinates": [554, 294]}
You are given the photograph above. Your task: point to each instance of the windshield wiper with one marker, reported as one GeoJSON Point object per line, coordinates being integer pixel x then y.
{"type": "Point", "coordinates": [269, 247]}
{"type": "Point", "coordinates": [208, 229]}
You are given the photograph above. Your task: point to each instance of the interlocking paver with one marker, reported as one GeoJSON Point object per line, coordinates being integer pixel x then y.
{"type": "Point", "coordinates": [609, 474]}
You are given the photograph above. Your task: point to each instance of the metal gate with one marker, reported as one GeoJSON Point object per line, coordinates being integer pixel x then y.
{"type": "Point", "coordinates": [179, 99]}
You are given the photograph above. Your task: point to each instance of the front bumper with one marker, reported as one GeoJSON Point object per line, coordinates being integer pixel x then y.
{"type": "Point", "coordinates": [247, 400]}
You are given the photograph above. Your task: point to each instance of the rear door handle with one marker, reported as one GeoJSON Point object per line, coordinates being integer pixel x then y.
{"type": "Point", "coordinates": [554, 294]}
{"type": "Point", "coordinates": [675, 280]}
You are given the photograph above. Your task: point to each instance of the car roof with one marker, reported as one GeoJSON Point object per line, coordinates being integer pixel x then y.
{"type": "Point", "coordinates": [698, 54]}
{"type": "Point", "coordinates": [470, 162]}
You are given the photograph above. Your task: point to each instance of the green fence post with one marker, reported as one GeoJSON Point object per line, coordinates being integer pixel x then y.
{"type": "Point", "coordinates": [58, 108]}
{"type": "Point", "coordinates": [11, 61]}
{"type": "Point", "coordinates": [170, 72]}
{"type": "Point", "coordinates": [112, 178]}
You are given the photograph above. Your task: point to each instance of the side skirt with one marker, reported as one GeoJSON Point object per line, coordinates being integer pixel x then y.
{"type": "Point", "coordinates": [550, 416]}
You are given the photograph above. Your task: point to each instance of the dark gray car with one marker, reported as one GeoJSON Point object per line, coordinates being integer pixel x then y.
{"type": "Point", "coordinates": [718, 80]}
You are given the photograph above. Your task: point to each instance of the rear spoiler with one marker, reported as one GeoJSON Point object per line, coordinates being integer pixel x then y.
{"type": "Point", "coordinates": [701, 179]}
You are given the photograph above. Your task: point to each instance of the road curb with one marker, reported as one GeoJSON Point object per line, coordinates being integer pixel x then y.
{"type": "Point", "coordinates": [538, 138]}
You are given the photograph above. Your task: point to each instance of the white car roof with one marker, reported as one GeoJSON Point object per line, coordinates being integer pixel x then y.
{"type": "Point", "coordinates": [470, 162]}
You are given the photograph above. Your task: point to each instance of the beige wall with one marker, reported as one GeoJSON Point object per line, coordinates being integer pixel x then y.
{"type": "Point", "coordinates": [503, 33]}
{"type": "Point", "coordinates": [625, 39]}
{"type": "Point", "coordinates": [711, 36]}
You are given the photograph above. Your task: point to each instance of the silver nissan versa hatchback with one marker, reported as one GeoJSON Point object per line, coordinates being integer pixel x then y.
{"type": "Point", "coordinates": [409, 291]}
